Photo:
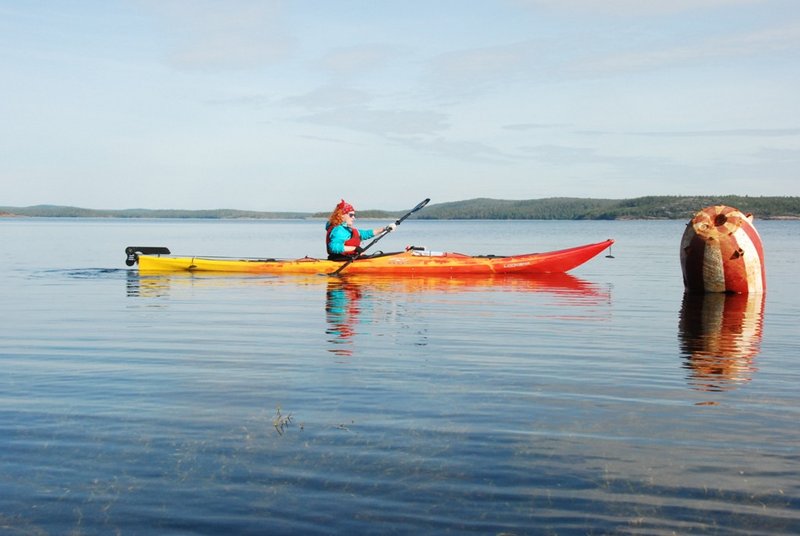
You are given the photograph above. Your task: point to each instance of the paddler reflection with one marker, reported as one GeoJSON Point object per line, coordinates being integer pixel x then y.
{"type": "Point", "coordinates": [342, 307]}
{"type": "Point", "coordinates": [720, 337]}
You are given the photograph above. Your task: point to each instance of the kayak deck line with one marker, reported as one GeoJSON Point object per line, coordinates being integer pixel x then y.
{"type": "Point", "coordinates": [410, 262]}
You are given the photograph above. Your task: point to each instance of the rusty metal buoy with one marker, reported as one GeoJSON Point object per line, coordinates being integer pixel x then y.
{"type": "Point", "coordinates": [721, 251]}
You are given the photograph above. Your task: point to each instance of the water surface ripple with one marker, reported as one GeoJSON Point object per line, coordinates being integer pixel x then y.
{"type": "Point", "coordinates": [601, 402]}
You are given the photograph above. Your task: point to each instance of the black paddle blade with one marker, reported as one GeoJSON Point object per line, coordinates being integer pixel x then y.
{"type": "Point", "coordinates": [147, 250]}
{"type": "Point", "coordinates": [421, 205]}
{"type": "Point", "coordinates": [413, 210]}
{"type": "Point", "coordinates": [132, 252]}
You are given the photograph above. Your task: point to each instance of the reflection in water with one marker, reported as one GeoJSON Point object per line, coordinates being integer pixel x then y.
{"type": "Point", "coordinates": [160, 285]}
{"type": "Point", "coordinates": [139, 286]}
{"type": "Point", "coordinates": [720, 336]}
{"type": "Point", "coordinates": [356, 304]}
{"type": "Point", "coordinates": [553, 283]}
{"type": "Point", "coordinates": [345, 296]}
{"type": "Point", "coordinates": [341, 312]}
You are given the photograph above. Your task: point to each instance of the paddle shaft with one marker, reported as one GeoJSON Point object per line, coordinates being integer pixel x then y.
{"type": "Point", "coordinates": [380, 235]}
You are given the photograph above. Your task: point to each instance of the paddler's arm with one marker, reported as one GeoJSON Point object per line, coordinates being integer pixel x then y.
{"type": "Point", "coordinates": [366, 234]}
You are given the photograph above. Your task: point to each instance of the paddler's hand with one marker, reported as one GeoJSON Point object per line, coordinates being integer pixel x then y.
{"type": "Point", "coordinates": [391, 227]}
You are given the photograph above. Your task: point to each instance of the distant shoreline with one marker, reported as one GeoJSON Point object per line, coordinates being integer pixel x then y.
{"type": "Point", "coordinates": [560, 208]}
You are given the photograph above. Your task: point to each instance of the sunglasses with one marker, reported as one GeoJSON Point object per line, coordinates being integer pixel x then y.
{"type": "Point", "coordinates": [352, 214]}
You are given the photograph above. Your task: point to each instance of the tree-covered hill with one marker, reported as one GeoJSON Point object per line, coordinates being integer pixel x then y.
{"type": "Point", "coordinates": [556, 208]}
{"type": "Point", "coordinates": [653, 207]}
{"type": "Point", "coordinates": [678, 207]}
{"type": "Point", "coordinates": [55, 211]}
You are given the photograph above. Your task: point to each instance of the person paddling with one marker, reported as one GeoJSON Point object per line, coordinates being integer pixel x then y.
{"type": "Point", "coordinates": [343, 239]}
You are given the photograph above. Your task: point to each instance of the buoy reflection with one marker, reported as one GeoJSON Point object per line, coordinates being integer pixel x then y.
{"type": "Point", "coordinates": [720, 337]}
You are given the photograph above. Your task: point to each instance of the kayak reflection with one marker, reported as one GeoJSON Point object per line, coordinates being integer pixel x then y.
{"type": "Point", "coordinates": [560, 283]}
{"type": "Point", "coordinates": [365, 306]}
{"type": "Point", "coordinates": [352, 303]}
{"type": "Point", "coordinates": [164, 284]}
{"type": "Point", "coordinates": [138, 286]}
{"type": "Point", "coordinates": [720, 337]}
{"type": "Point", "coordinates": [158, 284]}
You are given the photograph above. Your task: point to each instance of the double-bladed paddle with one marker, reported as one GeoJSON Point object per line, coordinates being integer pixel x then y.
{"type": "Point", "coordinates": [380, 235]}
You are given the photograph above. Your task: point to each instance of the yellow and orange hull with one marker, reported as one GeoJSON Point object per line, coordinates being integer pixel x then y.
{"type": "Point", "coordinates": [402, 263]}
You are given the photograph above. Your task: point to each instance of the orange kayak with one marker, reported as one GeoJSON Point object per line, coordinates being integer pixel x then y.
{"type": "Point", "coordinates": [412, 262]}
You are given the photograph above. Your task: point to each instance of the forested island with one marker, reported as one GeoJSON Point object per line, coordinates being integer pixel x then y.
{"type": "Point", "coordinates": [555, 208]}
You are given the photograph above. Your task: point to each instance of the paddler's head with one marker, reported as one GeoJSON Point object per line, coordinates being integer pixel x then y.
{"type": "Point", "coordinates": [343, 213]}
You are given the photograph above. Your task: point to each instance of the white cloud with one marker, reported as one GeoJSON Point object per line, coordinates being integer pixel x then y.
{"type": "Point", "coordinates": [533, 126]}
{"type": "Point", "coordinates": [777, 155]}
{"type": "Point", "coordinates": [460, 150]}
{"type": "Point", "coordinates": [561, 155]}
{"type": "Point", "coordinates": [382, 122]}
{"type": "Point", "coordinates": [223, 35]}
{"type": "Point", "coordinates": [776, 40]}
{"type": "Point", "coordinates": [740, 132]}
{"type": "Point", "coordinates": [632, 7]}
{"type": "Point", "coordinates": [357, 60]}
{"type": "Point", "coordinates": [485, 65]}
{"type": "Point", "coordinates": [330, 97]}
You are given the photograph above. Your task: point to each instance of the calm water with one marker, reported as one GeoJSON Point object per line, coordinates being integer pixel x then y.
{"type": "Point", "coordinates": [595, 403]}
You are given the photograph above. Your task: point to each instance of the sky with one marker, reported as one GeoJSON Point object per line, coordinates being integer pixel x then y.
{"type": "Point", "coordinates": [291, 105]}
